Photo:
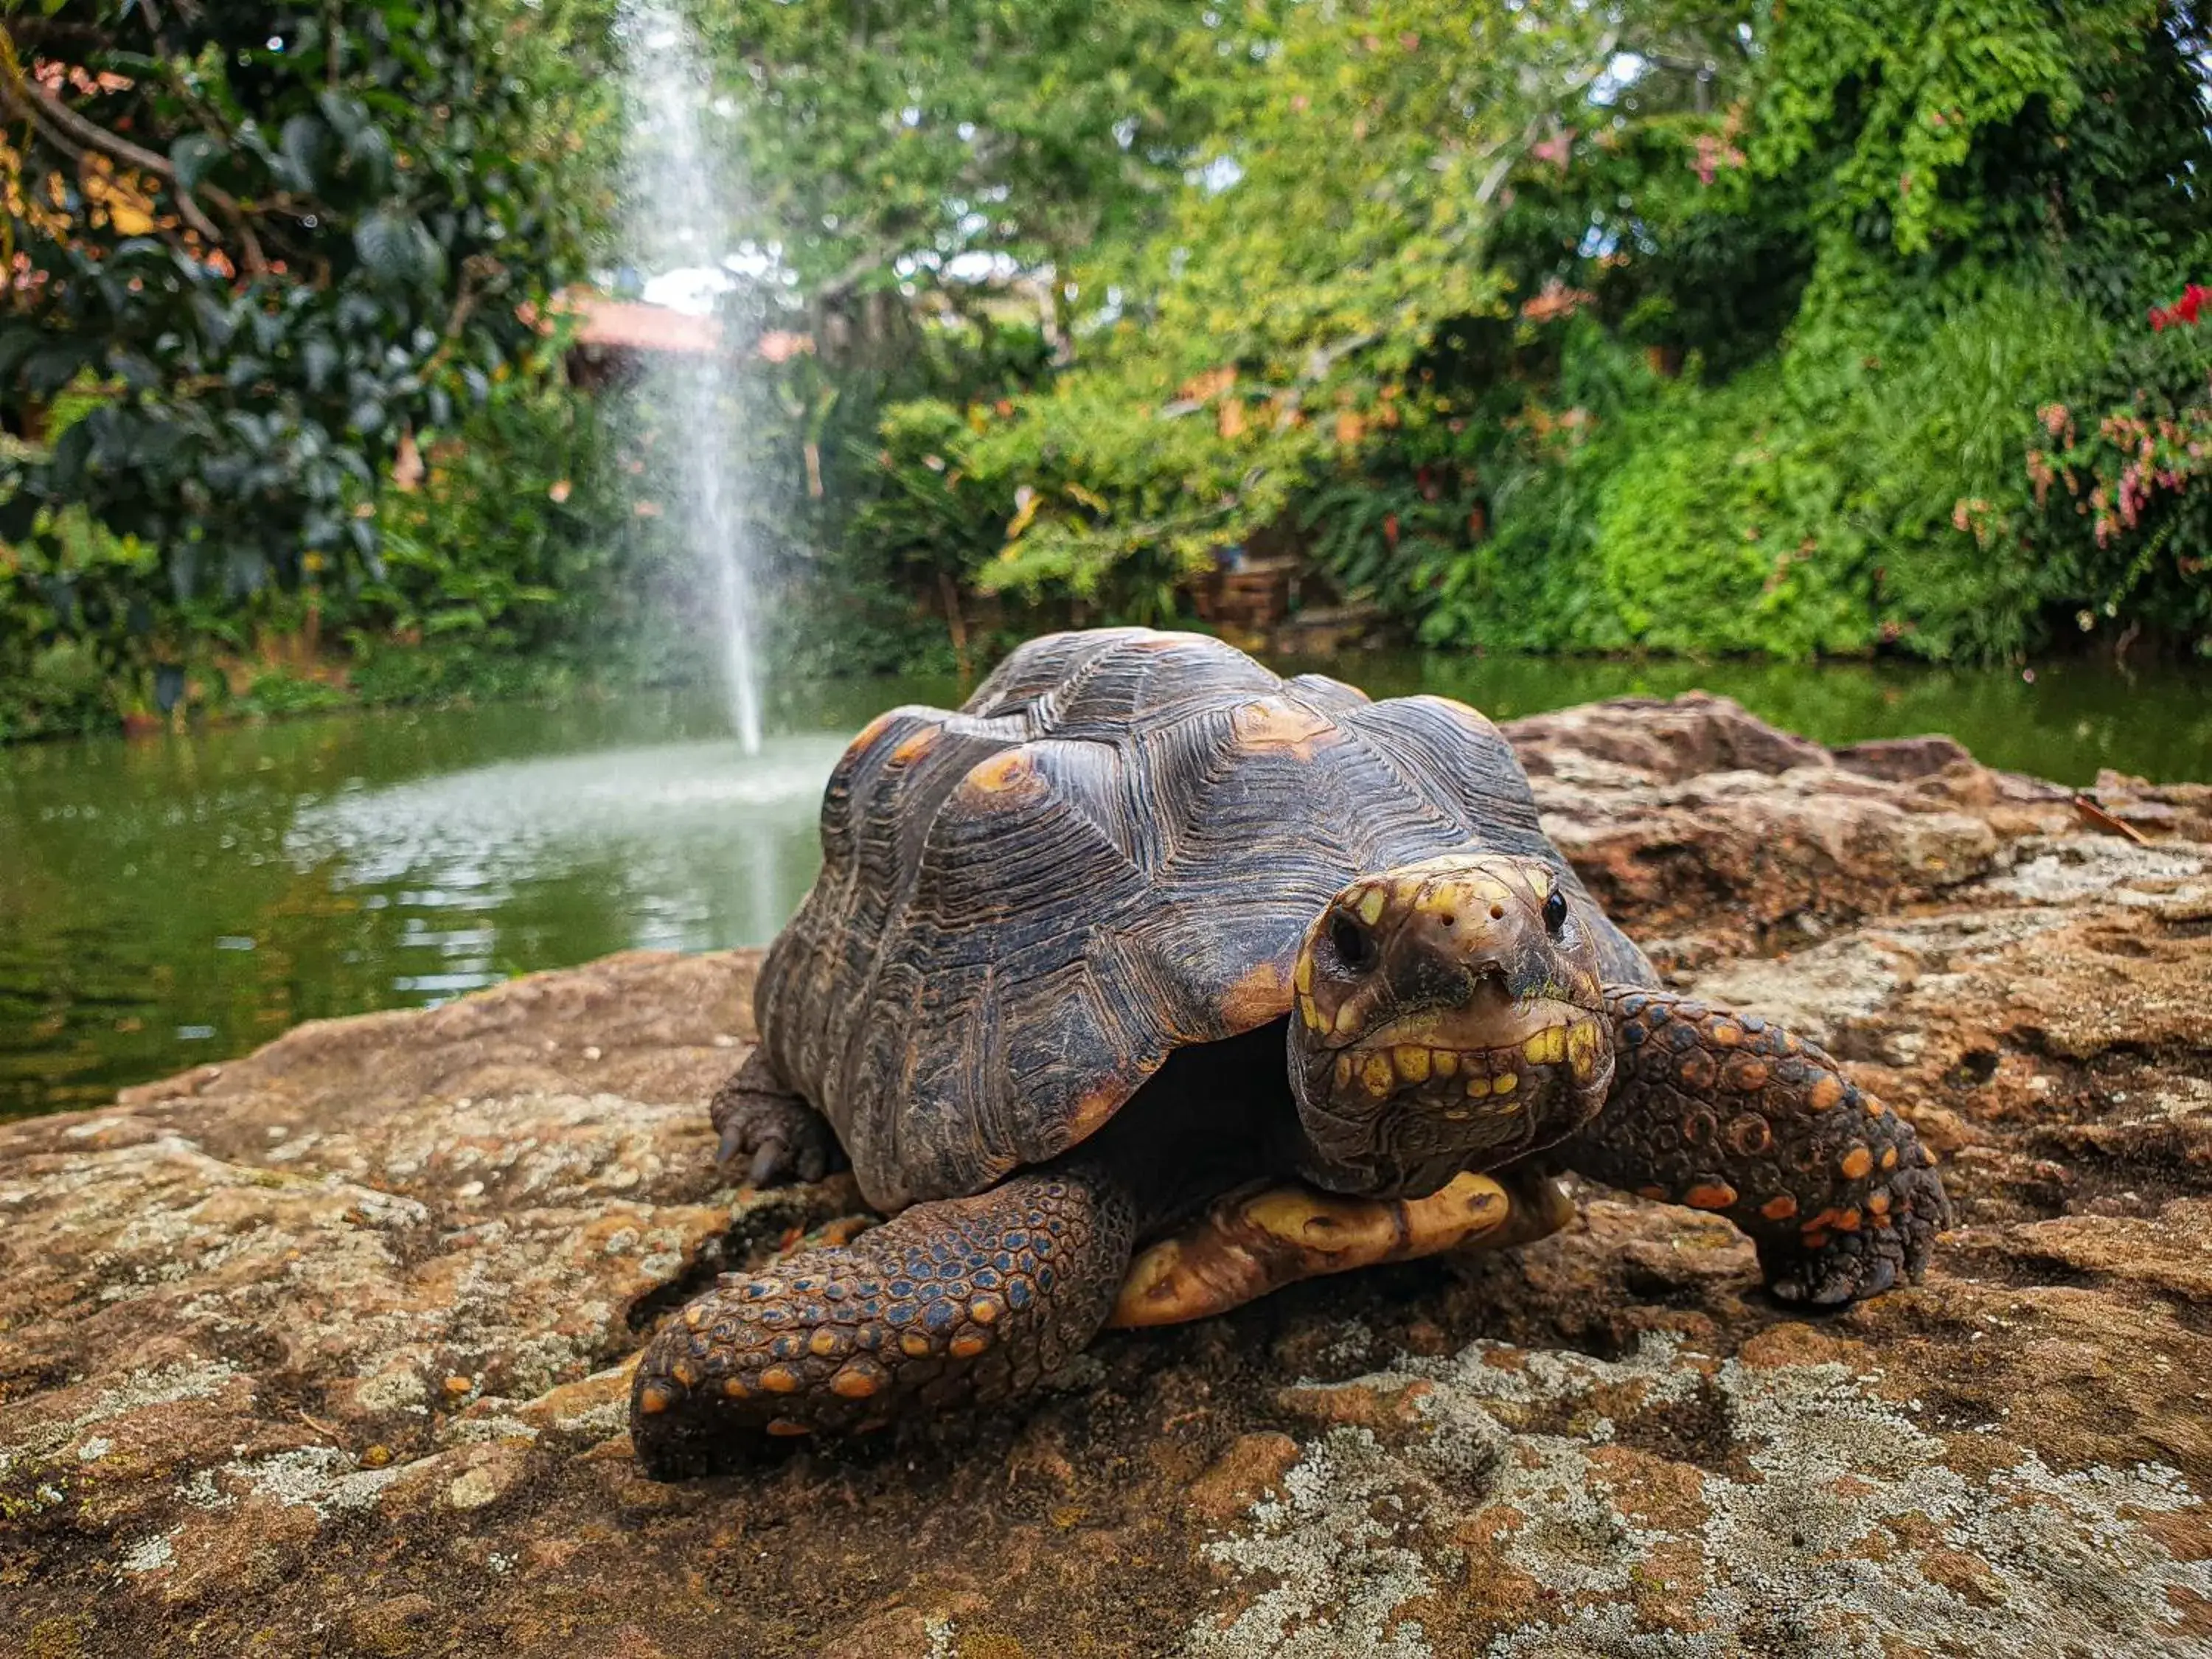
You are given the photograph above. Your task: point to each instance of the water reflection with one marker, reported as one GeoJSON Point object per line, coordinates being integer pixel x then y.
{"type": "Point", "coordinates": [696, 843]}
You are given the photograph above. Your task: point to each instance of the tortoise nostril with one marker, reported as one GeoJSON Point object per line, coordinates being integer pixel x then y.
{"type": "Point", "coordinates": [1497, 913]}
{"type": "Point", "coordinates": [1355, 947]}
{"type": "Point", "coordinates": [1450, 920]}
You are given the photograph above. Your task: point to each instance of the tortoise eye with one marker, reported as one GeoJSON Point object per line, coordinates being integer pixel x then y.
{"type": "Point", "coordinates": [1555, 910]}
{"type": "Point", "coordinates": [1353, 945]}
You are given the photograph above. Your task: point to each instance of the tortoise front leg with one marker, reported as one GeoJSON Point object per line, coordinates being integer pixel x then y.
{"type": "Point", "coordinates": [1724, 1111]}
{"type": "Point", "coordinates": [965, 1300]}
{"type": "Point", "coordinates": [1253, 1241]}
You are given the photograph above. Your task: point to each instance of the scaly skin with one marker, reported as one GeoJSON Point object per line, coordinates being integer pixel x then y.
{"type": "Point", "coordinates": [1726, 1112]}
{"type": "Point", "coordinates": [965, 1301]}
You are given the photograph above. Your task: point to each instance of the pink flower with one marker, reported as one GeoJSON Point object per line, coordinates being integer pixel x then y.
{"type": "Point", "coordinates": [1715, 153]}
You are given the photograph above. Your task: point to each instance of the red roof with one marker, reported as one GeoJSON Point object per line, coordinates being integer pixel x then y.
{"type": "Point", "coordinates": [630, 325]}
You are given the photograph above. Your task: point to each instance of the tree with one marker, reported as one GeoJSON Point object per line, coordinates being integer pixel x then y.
{"type": "Point", "coordinates": [886, 139]}
{"type": "Point", "coordinates": [1665, 325]}
{"type": "Point", "coordinates": [260, 245]}
{"type": "Point", "coordinates": [1280, 315]}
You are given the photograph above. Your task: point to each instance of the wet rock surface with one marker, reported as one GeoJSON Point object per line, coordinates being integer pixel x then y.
{"type": "Point", "coordinates": [324, 1350]}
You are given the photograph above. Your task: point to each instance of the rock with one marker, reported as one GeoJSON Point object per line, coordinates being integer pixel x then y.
{"type": "Point", "coordinates": [2183, 810]}
{"type": "Point", "coordinates": [1900, 758]}
{"type": "Point", "coordinates": [361, 1387]}
{"type": "Point", "coordinates": [1662, 742]}
{"type": "Point", "coordinates": [1248, 1470]}
{"type": "Point", "coordinates": [1705, 833]}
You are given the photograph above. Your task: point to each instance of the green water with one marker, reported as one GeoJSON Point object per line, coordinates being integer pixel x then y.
{"type": "Point", "coordinates": [170, 902]}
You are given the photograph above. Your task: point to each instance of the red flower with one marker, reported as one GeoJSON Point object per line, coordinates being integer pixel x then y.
{"type": "Point", "coordinates": [2184, 310]}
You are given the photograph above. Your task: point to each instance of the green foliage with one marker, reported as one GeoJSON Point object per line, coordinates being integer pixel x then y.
{"type": "Point", "coordinates": [1889, 98]}
{"type": "Point", "coordinates": [1784, 330]}
{"type": "Point", "coordinates": [879, 130]}
{"type": "Point", "coordinates": [268, 243]}
{"type": "Point", "coordinates": [1960, 409]}
{"type": "Point", "coordinates": [75, 621]}
{"type": "Point", "coordinates": [2122, 484]}
{"type": "Point", "coordinates": [261, 259]}
{"type": "Point", "coordinates": [507, 568]}
{"type": "Point", "coordinates": [1267, 327]}
{"type": "Point", "coordinates": [280, 692]}
{"type": "Point", "coordinates": [875, 570]}
{"type": "Point", "coordinates": [1837, 498]}
{"type": "Point", "coordinates": [1743, 353]}
{"type": "Point", "coordinates": [508, 544]}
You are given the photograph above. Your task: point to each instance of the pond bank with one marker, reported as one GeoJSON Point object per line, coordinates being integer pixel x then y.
{"type": "Point", "coordinates": [2064, 717]}
{"type": "Point", "coordinates": [181, 899]}
{"type": "Point", "coordinates": [334, 1339]}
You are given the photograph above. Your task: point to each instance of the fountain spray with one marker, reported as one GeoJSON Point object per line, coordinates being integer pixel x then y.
{"type": "Point", "coordinates": [679, 189]}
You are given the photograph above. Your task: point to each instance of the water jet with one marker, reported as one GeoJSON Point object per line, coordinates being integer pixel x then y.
{"type": "Point", "coordinates": [679, 190]}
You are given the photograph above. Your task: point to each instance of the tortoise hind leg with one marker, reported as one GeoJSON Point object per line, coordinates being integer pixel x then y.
{"type": "Point", "coordinates": [964, 1300]}
{"type": "Point", "coordinates": [788, 1139]}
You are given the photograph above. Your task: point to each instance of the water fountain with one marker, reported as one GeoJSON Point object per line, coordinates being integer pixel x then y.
{"type": "Point", "coordinates": [676, 219]}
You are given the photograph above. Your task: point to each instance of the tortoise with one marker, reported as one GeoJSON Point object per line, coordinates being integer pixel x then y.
{"type": "Point", "coordinates": [1151, 981]}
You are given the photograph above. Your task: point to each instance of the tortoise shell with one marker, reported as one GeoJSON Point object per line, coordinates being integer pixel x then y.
{"type": "Point", "coordinates": [1114, 849]}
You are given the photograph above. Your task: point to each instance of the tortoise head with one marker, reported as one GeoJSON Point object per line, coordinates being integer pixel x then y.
{"type": "Point", "coordinates": [1448, 1017]}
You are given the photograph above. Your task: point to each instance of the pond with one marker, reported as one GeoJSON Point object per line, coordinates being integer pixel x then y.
{"type": "Point", "coordinates": [170, 902]}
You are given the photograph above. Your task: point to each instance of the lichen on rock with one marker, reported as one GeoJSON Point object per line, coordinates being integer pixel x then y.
{"type": "Point", "coordinates": [1820, 1516]}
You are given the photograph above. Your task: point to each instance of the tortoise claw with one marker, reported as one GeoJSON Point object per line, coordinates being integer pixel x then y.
{"type": "Point", "coordinates": [787, 1138]}
{"type": "Point", "coordinates": [1849, 1268]}
{"type": "Point", "coordinates": [766, 1161]}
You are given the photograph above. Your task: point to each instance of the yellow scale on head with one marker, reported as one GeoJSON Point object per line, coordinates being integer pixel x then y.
{"type": "Point", "coordinates": [1582, 1048]}
{"type": "Point", "coordinates": [1302, 978]}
